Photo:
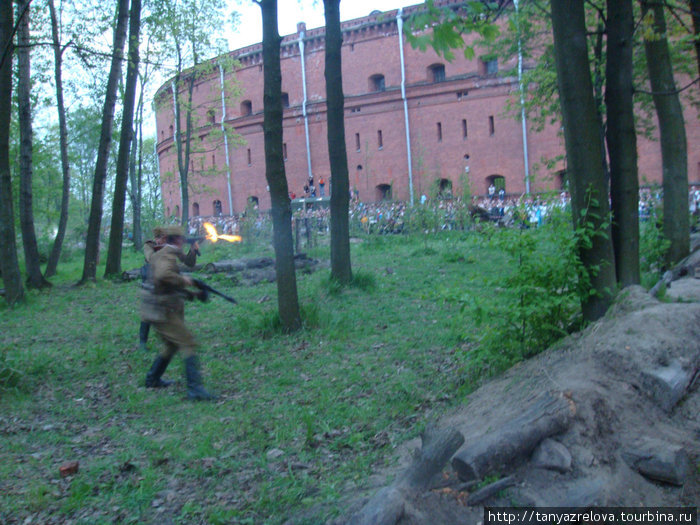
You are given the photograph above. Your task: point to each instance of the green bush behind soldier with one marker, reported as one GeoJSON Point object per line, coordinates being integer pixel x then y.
{"type": "Point", "coordinates": [164, 308]}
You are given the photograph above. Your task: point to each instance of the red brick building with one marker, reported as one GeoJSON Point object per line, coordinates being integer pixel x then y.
{"type": "Point", "coordinates": [400, 103]}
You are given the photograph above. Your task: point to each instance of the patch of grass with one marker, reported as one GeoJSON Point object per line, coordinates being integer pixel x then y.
{"type": "Point", "coordinates": [372, 363]}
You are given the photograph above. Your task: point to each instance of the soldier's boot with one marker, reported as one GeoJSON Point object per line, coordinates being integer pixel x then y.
{"type": "Point", "coordinates": [143, 335]}
{"type": "Point", "coordinates": [195, 390]}
{"type": "Point", "coordinates": [153, 379]}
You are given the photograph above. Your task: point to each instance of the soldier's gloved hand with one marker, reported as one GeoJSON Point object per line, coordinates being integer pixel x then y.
{"type": "Point", "coordinates": [202, 295]}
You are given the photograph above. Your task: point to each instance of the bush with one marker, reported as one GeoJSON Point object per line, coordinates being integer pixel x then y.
{"type": "Point", "coordinates": [537, 296]}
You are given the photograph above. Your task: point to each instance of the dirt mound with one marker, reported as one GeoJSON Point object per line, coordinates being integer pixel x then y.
{"type": "Point", "coordinates": [631, 437]}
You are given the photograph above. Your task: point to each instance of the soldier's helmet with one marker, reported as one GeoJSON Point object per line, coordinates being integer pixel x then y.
{"type": "Point", "coordinates": [158, 232]}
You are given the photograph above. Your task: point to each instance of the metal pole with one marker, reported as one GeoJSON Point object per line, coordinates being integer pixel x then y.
{"type": "Point", "coordinates": [223, 130]}
{"type": "Point", "coordinates": [523, 118]}
{"type": "Point", "coordinates": [399, 23]}
{"type": "Point", "coordinates": [302, 34]}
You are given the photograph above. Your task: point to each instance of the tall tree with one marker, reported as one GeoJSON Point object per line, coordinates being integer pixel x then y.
{"type": "Point", "coordinates": [287, 297]}
{"type": "Point", "coordinates": [674, 155]}
{"type": "Point", "coordinates": [92, 243]}
{"type": "Point", "coordinates": [58, 51]}
{"type": "Point", "coordinates": [12, 278]}
{"type": "Point", "coordinates": [116, 232]}
{"type": "Point", "coordinates": [585, 156]}
{"type": "Point", "coordinates": [26, 209]}
{"type": "Point", "coordinates": [184, 30]}
{"type": "Point", "coordinates": [341, 269]}
{"type": "Point", "coordinates": [622, 141]}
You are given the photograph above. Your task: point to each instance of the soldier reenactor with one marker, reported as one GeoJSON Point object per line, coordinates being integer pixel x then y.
{"type": "Point", "coordinates": [149, 248]}
{"type": "Point", "coordinates": [164, 308]}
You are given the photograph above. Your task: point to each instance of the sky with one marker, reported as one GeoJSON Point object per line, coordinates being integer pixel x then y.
{"type": "Point", "coordinates": [290, 12]}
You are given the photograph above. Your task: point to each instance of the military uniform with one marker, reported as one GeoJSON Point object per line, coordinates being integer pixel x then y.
{"type": "Point", "coordinates": [164, 307]}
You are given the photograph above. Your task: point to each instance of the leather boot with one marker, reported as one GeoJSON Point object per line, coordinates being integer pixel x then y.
{"type": "Point", "coordinates": [143, 335]}
{"type": "Point", "coordinates": [153, 379]}
{"type": "Point", "coordinates": [195, 390]}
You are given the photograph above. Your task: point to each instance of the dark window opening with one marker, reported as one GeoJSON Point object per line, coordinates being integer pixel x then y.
{"type": "Point", "coordinates": [213, 161]}
{"type": "Point", "coordinates": [498, 182]}
{"type": "Point", "coordinates": [284, 150]}
{"type": "Point", "coordinates": [176, 212]}
{"type": "Point", "coordinates": [383, 192]}
{"type": "Point", "coordinates": [246, 108]}
{"type": "Point", "coordinates": [250, 158]}
{"type": "Point", "coordinates": [171, 130]}
{"type": "Point", "coordinates": [437, 73]}
{"type": "Point", "coordinates": [380, 141]}
{"type": "Point", "coordinates": [464, 128]}
{"type": "Point", "coordinates": [376, 83]}
{"type": "Point", "coordinates": [445, 188]}
{"type": "Point", "coordinates": [211, 116]}
{"type": "Point", "coordinates": [217, 208]}
{"type": "Point", "coordinates": [253, 200]}
{"type": "Point", "coordinates": [357, 142]}
{"type": "Point", "coordinates": [285, 100]}
{"type": "Point", "coordinates": [195, 209]}
{"type": "Point", "coordinates": [439, 131]}
{"type": "Point", "coordinates": [492, 126]}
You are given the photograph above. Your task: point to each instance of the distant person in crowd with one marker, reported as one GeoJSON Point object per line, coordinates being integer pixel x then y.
{"type": "Point", "coordinates": [502, 194]}
{"type": "Point", "coordinates": [165, 309]}
{"type": "Point", "coordinates": [322, 186]}
{"type": "Point", "coordinates": [492, 191]}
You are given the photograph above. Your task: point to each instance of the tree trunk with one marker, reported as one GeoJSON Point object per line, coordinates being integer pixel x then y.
{"type": "Point", "coordinates": [585, 157]}
{"type": "Point", "coordinates": [12, 278]}
{"type": "Point", "coordinates": [674, 155]}
{"type": "Point", "coordinates": [622, 142]}
{"type": "Point", "coordinates": [183, 147]}
{"type": "Point", "coordinates": [135, 177]}
{"type": "Point", "coordinates": [92, 243]}
{"type": "Point", "coordinates": [26, 208]}
{"type": "Point", "coordinates": [116, 232]}
{"type": "Point", "coordinates": [63, 146]}
{"type": "Point", "coordinates": [341, 269]}
{"type": "Point", "coordinates": [287, 297]}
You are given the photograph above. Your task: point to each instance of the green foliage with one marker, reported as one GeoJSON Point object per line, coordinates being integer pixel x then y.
{"type": "Point", "coordinates": [534, 296]}
{"type": "Point", "coordinates": [653, 247]}
{"type": "Point", "coordinates": [448, 27]}
{"type": "Point", "coordinates": [9, 375]}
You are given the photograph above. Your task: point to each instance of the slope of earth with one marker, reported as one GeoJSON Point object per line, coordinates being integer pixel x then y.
{"type": "Point", "coordinates": [623, 417]}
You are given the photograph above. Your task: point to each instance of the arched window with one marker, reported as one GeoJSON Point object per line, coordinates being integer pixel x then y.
{"type": "Point", "coordinates": [217, 208]}
{"type": "Point", "coordinates": [176, 212]}
{"type": "Point", "coordinates": [563, 180]}
{"type": "Point", "coordinates": [285, 100]}
{"type": "Point", "coordinates": [246, 108]}
{"type": "Point", "coordinates": [383, 192]}
{"type": "Point", "coordinates": [445, 187]}
{"type": "Point", "coordinates": [171, 130]}
{"type": "Point", "coordinates": [195, 209]}
{"type": "Point", "coordinates": [376, 83]}
{"type": "Point", "coordinates": [436, 73]}
{"type": "Point", "coordinates": [497, 181]}
{"type": "Point", "coordinates": [211, 116]}
{"type": "Point", "coordinates": [253, 200]}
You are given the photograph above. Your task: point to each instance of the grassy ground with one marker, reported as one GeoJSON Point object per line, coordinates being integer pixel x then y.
{"type": "Point", "coordinates": [302, 419]}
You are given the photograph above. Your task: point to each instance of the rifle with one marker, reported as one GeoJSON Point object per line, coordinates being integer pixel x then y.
{"type": "Point", "coordinates": [192, 240]}
{"type": "Point", "coordinates": [206, 289]}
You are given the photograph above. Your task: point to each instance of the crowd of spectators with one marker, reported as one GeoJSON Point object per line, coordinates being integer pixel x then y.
{"type": "Point", "coordinates": [441, 213]}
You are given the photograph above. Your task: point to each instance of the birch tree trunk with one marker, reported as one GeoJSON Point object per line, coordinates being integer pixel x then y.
{"type": "Point", "coordinates": [622, 142]}
{"type": "Point", "coordinates": [287, 297]}
{"type": "Point", "coordinates": [26, 207]}
{"type": "Point", "coordinates": [55, 254]}
{"type": "Point", "coordinates": [674, 154]}
{"type": "Point", "coordinates": [92, 243]}
{"type": "Point", "coordinates": [585, 156]}
{"type": "Point", "coordinates": [341, 269]}
{"type": "Point", "coordinates": [116, 232]}
{"type": "Point", "coordinates": [12, 278]}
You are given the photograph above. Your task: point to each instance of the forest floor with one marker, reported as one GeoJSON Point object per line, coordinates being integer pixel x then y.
{"type": "Point", "coordinates": [307, 425]}
{"type": "Point", "coordinates": [604, 372]}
